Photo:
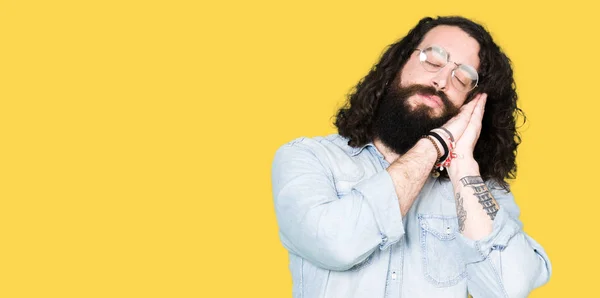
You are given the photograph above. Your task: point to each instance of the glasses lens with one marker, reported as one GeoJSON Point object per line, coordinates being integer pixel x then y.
{"type": "Point", "coordinates": [465, 77]}
{"type": "Point", "coordinates": [433, 58]}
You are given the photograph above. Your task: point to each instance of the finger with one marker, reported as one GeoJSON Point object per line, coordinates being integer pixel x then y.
{"type": "Point", "coordinates": [471, 104]}
{"type": "Point", "coordinates": [467, 110]}
{"type": "Point", "coordinates": [457, 124]}
{"type": "Point", "coordinates": [474, 126]}
{"type": "Point", "coordinates": [478, 111]}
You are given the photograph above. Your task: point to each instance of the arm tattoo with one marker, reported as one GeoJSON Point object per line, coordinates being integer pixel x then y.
{"type": "Point", "coordinates": [482, 193]}
{"type": "Point", "coordinates": [468, 180]}
{"type": "Point", "coordinates": [461, 212]}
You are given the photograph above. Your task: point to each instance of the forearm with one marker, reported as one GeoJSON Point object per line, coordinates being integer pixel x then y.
{"type": "Point", "coordinates": [476, 208]}
{"type": "Point", "coordinates": [333, 226]}
{"type": "Point", "coordinates": [501, 259]}
{"type": "Point", "coordinates": [410, 171]}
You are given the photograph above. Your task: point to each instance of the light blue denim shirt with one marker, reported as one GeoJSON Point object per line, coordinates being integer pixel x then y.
{"type": "Point", "coordinates": [340, 220]}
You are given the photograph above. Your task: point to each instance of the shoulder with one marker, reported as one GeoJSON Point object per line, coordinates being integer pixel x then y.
{"type": "Point", "coordinates": [330, 151]}
{"type": "Point", "coordinates": [333, 142]}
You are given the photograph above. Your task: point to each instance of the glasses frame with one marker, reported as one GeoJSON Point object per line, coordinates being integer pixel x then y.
{"type": "Point", "coordinates": [422, 52]}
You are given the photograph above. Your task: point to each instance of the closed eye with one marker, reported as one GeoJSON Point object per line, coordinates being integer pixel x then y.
{"type": "Point", "coordinates": [433, 64]}
{"type": "Point", "coordinates": [461, 82]}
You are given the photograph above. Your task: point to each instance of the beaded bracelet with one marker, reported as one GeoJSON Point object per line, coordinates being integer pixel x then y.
{"type": "Point", "coordinates": [444, 161]}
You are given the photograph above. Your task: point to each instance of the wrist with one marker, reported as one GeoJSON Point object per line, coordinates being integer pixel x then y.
{"type": "Point", "coordinates": [446, 148]}
{"type": "Point", "coordinates": [430, 146]}
{"type": "Point", "coordinates": [463, 166]}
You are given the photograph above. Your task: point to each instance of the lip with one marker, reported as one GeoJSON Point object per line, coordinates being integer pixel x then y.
{"type": "Point", "coordinates": [431, 100]}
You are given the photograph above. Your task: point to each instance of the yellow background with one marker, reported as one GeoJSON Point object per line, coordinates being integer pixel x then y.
{"type": "Point", "coordinates": [136, 137]}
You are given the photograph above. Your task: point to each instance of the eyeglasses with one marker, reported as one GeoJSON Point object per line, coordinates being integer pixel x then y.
{"type": "Point", "coordinates": [434, 58]}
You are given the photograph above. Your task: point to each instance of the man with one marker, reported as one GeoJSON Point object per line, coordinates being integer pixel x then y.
{"type": "Point", "coordinates": [410, 199]}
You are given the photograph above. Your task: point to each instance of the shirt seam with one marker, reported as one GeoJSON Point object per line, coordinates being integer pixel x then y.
{"type": "Point", "coordinates": [500, 281]}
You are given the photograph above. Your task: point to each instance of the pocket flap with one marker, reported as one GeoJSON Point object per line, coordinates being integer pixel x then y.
{"type": "Point", "coordinates": [442, 227]}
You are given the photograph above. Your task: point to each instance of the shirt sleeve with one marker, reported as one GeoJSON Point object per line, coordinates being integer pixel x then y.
{"type": "Point", "coordinates": [331, 230]}
{"type": "Point", "coordinates": [507, 262]}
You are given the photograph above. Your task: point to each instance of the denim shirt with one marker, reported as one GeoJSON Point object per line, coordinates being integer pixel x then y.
{"type": "Point", "coordinates": [340, 220]}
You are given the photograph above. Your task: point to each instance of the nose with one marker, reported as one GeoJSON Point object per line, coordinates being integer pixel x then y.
{"type": "Point", "coordinates": [440, 80]}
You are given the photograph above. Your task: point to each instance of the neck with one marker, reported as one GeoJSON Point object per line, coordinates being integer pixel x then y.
{"type": "Point", "coordinates": [389, 155]}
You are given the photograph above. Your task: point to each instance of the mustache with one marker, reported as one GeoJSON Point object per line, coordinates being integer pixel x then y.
{"type": "Point", "coordinates": [399, 125]}
{"type": "Point", "coordinates": [405, 92]}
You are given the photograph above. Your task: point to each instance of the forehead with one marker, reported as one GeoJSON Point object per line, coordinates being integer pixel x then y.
{"type": "Point", "coordinates": [463, 49]}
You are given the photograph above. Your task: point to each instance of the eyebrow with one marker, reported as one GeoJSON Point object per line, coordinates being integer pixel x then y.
{"type": "Point", "coordinates": [449, 55]}
{"type": "Point", "coordinates": [450, 59]}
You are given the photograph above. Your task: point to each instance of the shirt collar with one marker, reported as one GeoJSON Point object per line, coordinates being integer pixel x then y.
{"type": "Point", "coordinates": [371, 148]}
{"type": "Point", "coordinates": [357, 150]}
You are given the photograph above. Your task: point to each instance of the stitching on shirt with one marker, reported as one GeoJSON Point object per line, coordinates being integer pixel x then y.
{"type": "Point", "coordinates": [500, 281]}
{"type": "Point", "coordinates": [388, 275]}
{"type": "Point", "coordinates": [301, 277]}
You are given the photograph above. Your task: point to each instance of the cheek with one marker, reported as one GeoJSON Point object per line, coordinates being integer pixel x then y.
{"type": "Point", "coordinates": [406, 79]}
{"type": "Point", "coordinates": [410, 76]}
{"type": "Point", "coordinates": [457, 99]}
{"type": "Point", "coordinates": [413, 73]}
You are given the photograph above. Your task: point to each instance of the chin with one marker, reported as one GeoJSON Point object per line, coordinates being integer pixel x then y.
{"type": "Point", "coordinates": [434, 113]}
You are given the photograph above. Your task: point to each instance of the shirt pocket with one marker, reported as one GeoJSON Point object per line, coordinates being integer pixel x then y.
{"type": "Point", "coordinates": [443, 265]}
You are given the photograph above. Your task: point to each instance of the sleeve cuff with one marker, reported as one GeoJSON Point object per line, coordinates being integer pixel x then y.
{"type": "Point", "coordinates": [503, 230]}
{"type": "Point", "coordinates": [380, 194]}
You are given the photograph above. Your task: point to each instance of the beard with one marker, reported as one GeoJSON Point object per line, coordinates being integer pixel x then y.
{"type": "Point", "coordinates": [399, 126]}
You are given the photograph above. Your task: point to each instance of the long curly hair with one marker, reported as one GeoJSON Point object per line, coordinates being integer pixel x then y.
{"type": "Point", "coordinates": [496, 148]}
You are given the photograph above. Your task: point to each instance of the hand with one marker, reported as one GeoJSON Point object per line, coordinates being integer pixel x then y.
{"type": "Point", "coordinates": [459, 123]}
{"type": "Point", "coordinates": [465, 144]}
